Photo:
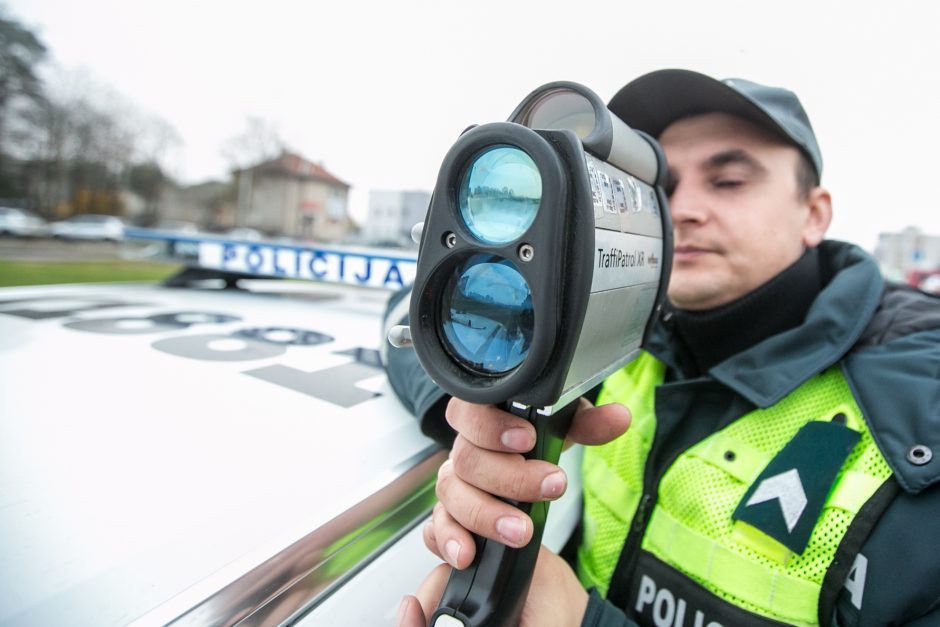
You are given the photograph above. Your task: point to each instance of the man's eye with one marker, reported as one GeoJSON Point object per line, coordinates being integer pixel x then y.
{"type": "Point", "coordinates": [727, 183]}
{"type": "Point", "coordinates": [670, 184]}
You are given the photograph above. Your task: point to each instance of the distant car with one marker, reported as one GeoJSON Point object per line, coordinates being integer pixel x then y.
{"type": "Point", "coordinates": [178, 454]}
{"type": "Point", "coordinates": [925, 280]}
{"type": "Point", "coordinates": [177, 226]}
{"type": "Point", "coordinates": [21, 223]}
{"type": "Point", "coordinates": [931, 284]}
{"type": "Point", "coordinates": [89, 226]}
{"type": "Point", "coordinates": [244, 234]}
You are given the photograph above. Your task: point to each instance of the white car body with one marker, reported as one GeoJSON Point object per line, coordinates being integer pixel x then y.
{"type": "Point", "coordinates": [209, 457]}
{"type": "Point", "coordinates": [89, 226]}
{"type": "Point", "coordinates": [21, 223]}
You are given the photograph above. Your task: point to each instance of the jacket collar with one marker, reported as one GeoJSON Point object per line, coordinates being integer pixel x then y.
{"type": "Point", "coordinates": [774, 367]}
{"type": "Point", "coordinates": [900, 421]}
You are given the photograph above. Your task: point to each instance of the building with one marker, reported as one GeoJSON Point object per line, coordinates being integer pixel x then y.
{"type": "Point", "coordinates": [908, 254]}
{"type": "Point", "coordinates": [392, 214]}
{"type": "Point", "coordinates": [208, 205]}
{"type": "Point", "coordinates": [289, 195]}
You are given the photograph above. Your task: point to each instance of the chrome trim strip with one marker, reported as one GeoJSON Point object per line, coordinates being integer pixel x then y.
{"type": "Point", "coordinates": [297, 579]}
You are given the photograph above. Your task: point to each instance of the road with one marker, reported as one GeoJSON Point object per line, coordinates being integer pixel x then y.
{"type": "Point", "coordinates": [15, 249]}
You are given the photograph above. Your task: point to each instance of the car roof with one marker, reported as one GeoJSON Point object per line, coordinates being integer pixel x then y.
{"type": "Point", "coordinates": [159, 443]}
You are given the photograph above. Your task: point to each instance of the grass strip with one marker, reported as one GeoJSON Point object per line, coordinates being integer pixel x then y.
{"type": "Point", "coordinates": [57, 272]}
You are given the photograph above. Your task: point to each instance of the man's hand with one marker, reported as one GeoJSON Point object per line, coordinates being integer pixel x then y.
{"type": "Point", "coordinates": [556, 598]}
{"type": "Point", "coordinates": [486, 460]}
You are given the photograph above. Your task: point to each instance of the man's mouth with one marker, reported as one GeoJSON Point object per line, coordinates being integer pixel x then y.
{"type": "Point", "coordinates": [689, 252]}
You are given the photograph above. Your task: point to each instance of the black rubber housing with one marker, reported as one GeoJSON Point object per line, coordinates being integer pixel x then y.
{"type": "Point", "coordinates": [559, 275]}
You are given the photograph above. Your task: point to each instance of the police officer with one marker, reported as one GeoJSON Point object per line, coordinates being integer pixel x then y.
{"type": "Point", "coordinates": [781, 464]}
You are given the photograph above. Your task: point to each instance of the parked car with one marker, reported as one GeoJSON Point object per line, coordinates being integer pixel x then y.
{"type": "Point", "coordinates": [21, 223]}
{"type": "Point", "coordinates": [89, 226]}
{"type": "Point", "coordinates": [926, 280]}
{"type": "Point", "coordinates": [244, 233]}
{"type": "Point", "coordinates": [177, 226]}
{"type": "Point", "coordinates": [202, 456]}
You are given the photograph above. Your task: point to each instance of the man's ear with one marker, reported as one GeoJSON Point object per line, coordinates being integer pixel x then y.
{"type": "Point", "coordinates": [819, 203]}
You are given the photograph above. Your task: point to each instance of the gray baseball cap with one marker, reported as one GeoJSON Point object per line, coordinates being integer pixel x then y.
{"type": "Point", "coordinates": [653, 101]}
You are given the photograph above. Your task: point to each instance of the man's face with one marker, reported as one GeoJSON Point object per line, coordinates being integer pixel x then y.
{"type": "Point", "coordinates": [737, 214]}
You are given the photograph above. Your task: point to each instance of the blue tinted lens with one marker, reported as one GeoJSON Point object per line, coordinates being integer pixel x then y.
{"type": "Point", "coordinates": [487, 314]}
{"type": "Point", "coordinates": [500, 194]}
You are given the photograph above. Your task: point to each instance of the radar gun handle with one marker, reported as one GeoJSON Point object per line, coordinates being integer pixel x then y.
{"type": "Point", "coordinates": [492, 590]}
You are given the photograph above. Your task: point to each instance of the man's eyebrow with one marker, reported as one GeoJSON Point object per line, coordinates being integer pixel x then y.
{"type": "Point", "coordinates": [733, 157]}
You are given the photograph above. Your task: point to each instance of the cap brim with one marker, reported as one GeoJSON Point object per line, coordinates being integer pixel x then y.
{"type": "Point", "coordinates": [653, 101]}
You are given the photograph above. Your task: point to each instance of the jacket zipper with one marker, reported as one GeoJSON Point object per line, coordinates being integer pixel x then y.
{"type": "Point", "coordinates": [619, 591]}
{"type": "Point", "coordinates": [641, 517]}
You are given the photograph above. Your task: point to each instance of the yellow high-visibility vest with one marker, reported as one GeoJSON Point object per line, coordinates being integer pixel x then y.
{"type": "Point", "coordinates": [691, 527]}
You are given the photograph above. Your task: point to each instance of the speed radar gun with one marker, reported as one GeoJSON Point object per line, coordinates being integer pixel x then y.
{"type": "Point", "coordinates": [545, 251]}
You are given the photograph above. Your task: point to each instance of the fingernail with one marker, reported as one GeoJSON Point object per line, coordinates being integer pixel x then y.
{"type": "Point", "coordinates": [553, 485]}
{"type": "Point", "coordinates": [516, 439]}
{"type": "Point", "coordinates": [400, 620]}
{"type": "Point", "coordinates": [452, 547]}
{"type": "Point", "coordinates": [511, 529]}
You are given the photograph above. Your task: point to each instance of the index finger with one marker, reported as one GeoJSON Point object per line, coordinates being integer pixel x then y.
{"type": "Point", "coordinates": [490, 427]}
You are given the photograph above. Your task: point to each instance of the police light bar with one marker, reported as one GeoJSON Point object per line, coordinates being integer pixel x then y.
{"type": "Point", "coordinates": [265, 259]}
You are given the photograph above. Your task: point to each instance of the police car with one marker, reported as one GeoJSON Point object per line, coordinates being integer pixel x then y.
{"type": "Point", "coordinates": [221, 449]}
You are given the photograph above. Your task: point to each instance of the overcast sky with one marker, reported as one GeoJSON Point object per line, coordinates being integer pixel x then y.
{"type": "Point", "coordinates": [379, 90]}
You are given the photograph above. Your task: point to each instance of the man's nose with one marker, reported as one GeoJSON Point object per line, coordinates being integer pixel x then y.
{"type": "Point", "coordinates": [686, 204]}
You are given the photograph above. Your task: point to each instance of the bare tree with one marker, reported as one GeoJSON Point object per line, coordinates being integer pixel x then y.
{"type": "Point", "coordinates": [155, 140]}
{"type": "Point", "coordinates": [67, 142]}
{"type": "Point", "coordinates": [83, 144]}
{"type": "Point", "coordinates": [21, 52]}
{"type": "Point", "coordinates": [258, 142]}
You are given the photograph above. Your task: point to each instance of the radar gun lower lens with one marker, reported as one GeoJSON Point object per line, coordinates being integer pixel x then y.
{"type": "Point", "coordinates": [487, 314]}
